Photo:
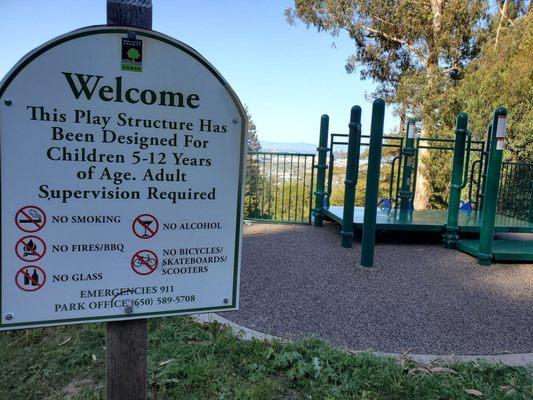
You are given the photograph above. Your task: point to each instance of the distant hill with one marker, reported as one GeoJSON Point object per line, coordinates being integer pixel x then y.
{"type": "Point", "coordinates": [288, 147]}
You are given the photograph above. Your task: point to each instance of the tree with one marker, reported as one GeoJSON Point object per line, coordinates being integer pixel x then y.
{"type": "Point", "coordinates": [413, 49]}
{"type": "Point", "coordinates": [254, 144]}
{"type": "Point", "coordinates": [253, 172]}
{"type": "Point", "coordinates": [503, 75]}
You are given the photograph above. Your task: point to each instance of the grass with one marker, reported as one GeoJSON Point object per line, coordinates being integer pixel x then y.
{"type": "Point", "coordinates": [188, 360]}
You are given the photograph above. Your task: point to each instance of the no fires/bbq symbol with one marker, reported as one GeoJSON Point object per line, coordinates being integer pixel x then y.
{"type": "Point", "coordinates": [30, 278]}
{"type": "Point", "coordinates": [145, 226]}
{"type": "Point", "coordinates": [30, 219]}
{"type": "Point", "coordinates": [30, 248]}
{"type": "Point", "coordinates": [144, 262]}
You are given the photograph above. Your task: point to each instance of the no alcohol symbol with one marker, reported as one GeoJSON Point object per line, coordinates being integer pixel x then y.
{"type": "Point", "coordinates": [30, 278]}
{"type": "Point", "coordinates": [144, 262]}
{"type": "Point", "coordinates": [30, 219]}
{"type": "Point", "coordinates": [145, 226]}
{"type": "Point", "coordinates": [30, 248]}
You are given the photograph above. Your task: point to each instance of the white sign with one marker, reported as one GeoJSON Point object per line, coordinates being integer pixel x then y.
{"type": "Point", "coordinates": [122, 165]}
{"type": "Point", "coordinates": [500, 132]}
{"type": "Point", "coordinates": [411, 132]}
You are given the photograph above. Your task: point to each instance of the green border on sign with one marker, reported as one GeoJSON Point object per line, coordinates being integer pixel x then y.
{"type": "Point", "coordinates": [105, 29]}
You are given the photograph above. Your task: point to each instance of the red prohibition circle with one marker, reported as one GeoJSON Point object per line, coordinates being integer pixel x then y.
{"type": "Point", "coordinates": [22, 212]}
{"type": "Point", "coordinates": [147, 262]}
{"type": "Point", "coordinates": [23, 242]}
{"type": "Point", "coordinates": [22, 272]}
{"type": "Point", "coordinates": [148, 232]}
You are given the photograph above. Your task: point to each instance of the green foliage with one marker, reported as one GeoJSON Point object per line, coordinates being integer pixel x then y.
{"type": "Point", "coordinates": [399, 43]}
{"type": "Point", "coordinates": [253, 173]}
{"type": "Point", "coordinates": [503, 75]}
{"type": "Point", "coordinates": [435, 58]}
{"type": "Point", "coordinates": [188, 360]}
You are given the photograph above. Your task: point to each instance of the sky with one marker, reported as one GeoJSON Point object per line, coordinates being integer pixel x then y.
{"type": "Point", "coordinates": [288, 76]}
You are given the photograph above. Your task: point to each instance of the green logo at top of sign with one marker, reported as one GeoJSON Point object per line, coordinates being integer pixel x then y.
{"type": "Point", "coordinates": [131, 55]}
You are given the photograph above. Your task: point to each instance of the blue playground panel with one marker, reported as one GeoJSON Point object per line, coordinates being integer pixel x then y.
{"type": "Point", "coordinates": [428, 220]}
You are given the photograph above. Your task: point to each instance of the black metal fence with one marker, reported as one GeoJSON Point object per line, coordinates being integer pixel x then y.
{"type": "Point", "coordinates": [279, 187]}
{"type": "Point", "coordinates": [515, 197]}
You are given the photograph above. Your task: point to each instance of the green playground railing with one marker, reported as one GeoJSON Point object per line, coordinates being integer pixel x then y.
{"type": "Point", "coordinates": [279, 187]}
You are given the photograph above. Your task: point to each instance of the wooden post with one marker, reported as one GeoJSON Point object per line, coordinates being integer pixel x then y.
{"type": "Point", "coordinates": [136, 13]}
{"type": "Point", "coordinates": [126, 341]}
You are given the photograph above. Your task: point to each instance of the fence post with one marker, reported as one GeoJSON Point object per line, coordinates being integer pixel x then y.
{"type": "Point", "coordinates": [406, 195]}
{"type": "Point", "coordinates": [352, 171]}
{"type": "Point", "coordinates": [321, 173]}
{"type": "Point", "coordinates": [452, 229]}
{"type": "Point", "coordinates": [372, 183]}
{"type": "Point", "coordinates": [494, 158]}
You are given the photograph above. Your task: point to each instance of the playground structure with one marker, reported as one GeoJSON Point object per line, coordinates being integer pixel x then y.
{"type": "Point", "coordinates": [486, 195]}
{"type": "Point", "coordinates": [480, 176]}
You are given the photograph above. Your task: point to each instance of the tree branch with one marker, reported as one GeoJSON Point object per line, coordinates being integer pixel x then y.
{"type": "Point", "coordinates": [404, 42]}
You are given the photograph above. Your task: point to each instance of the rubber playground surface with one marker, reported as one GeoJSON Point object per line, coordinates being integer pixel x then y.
{"type": "Point", "coordinates": [298, 282]}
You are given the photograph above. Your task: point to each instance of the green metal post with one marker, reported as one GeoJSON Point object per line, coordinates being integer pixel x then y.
{"type": "Point", "coordinates": [352, 171]}
{"type": "Point", "coordinates": [372, 183]}
{"type": "Point", "coordinates": [406, 195]}
{"type": "Point", "coordinates": [452, 229]}
{"type": "Point", "coordinates": [490, 197]}
{"type": "Point", "coordinates": [321, 174]}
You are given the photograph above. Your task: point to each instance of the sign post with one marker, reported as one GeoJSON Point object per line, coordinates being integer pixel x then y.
{"type": "Point", "coordinates": [127, 341]}
{"type": "Point", "coordinates": [122, 168]}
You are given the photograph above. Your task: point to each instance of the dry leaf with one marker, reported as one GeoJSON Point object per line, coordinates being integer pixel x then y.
{"type": "Point", "coordinates": [442, 370]}
{"type": "Point", "coordinates": [413, 371]}
{"type": "Point", "coordinates": [93, 357]}
{"type": "Point", "coordinates": [65, 341]}
{"type": "Point", "coordinates": [473, 392]}
{"type": "Point", "coordinates": [507, 389]}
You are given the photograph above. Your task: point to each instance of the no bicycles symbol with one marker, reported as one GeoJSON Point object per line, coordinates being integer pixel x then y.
{"type": "Point", "coordinates": [144, 262]}
{"type": "Point", "coordinates": [30, 278]}
{"type": "Point", "coordinates": [30, 248]}
{"type": "Point", "coordinates": [145, 226]}
{"type": "Point", "coordinates": [30, 219]}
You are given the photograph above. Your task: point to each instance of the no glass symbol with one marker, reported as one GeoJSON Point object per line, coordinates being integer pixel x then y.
{"type": "Point", "coordinates": [30, 278]}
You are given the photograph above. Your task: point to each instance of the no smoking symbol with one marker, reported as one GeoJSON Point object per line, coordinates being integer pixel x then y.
{"type": "Point", "coordinates": [30, 219]}
{"type": "Point", "coordinates": [144, 262]}
{"type": "Point", "coordinates": [30, 248]}
{"type": "Point", "coordinates": [145, 226]}
{"type": "Point", "coordinates": [30, 278]}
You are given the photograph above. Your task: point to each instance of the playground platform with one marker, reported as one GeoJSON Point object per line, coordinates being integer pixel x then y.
{"type": "Point", "coordinates": [502, 249]}
{"type": "Point", "coordinates": [422, 298]}
{"type": "Point", "coordinates": [429, 220]}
